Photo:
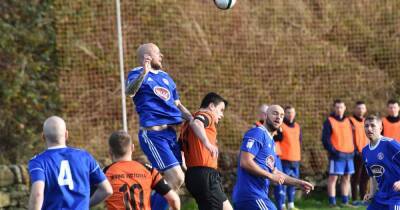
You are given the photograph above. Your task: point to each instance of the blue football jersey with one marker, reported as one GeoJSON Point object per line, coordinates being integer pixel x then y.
{"type": "Point", "coordinates": [68, 174]}
{"type": "Point", "coordinates": [258, 142]}
{"type": "Point", "coordinates": [155, 99]}
{"type": "Point", "coordinates": [383, 163]}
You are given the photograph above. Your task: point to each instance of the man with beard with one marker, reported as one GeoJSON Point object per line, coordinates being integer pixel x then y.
{"type": "Point", "coordinates": [256, 166]}
{"type": "Point", "coordinates": [156, 98]}
{"type": "Point", "coordinates": [279, 193]}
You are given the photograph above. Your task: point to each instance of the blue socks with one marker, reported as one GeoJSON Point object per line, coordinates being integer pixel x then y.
{"type": "Point", "coordinates": [279, 194]}
{"type": "Point", "coordinates": [158, 202]}
{"type": "Point", "coordinates": [332, 200]}
{"type": "Point", "coordinates": [345, 199]}
{"type": "Point", "coordinates": [291, 192]}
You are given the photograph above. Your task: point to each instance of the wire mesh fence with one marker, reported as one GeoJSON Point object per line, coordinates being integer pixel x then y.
{"type": "Point", "coordinates": [303, 53]}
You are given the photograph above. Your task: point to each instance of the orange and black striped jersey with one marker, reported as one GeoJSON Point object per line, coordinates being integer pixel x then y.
{"type": "Point", "coordinates": [132, 183]}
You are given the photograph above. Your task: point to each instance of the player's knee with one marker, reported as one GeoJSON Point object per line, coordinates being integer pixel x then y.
{"type": "Point", "coordinates": [332, 178]}
{"type": "Point", "coordinates": [346, 178]}
{"type": "Point", "coordinates": [178, 180]}
{"type": "Point", "coordinates": [175, 177]}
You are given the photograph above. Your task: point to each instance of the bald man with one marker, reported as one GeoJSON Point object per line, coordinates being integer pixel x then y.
{"type": "Point", "coordinates": [156, 98]}
{"type": "Point", "coordinates": [256, 168]}
{"type": "Point", "coordinates": [279, 193]}
{"type": "Point", "coordinates": [61, 176]}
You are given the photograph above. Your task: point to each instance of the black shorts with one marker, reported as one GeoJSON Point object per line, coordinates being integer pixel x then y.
{"type": "Point", "coordinates": [205, 185]}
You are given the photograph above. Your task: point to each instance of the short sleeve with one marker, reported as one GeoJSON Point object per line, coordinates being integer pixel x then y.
{"type": "Point", "coordinates": [155, 176]}
{"type": "Point", "coordinates": [251, 145]}
{"type": "Point", "coordinates": [96, 175]}
{"type": "Point", "coordinates": [204, 119]}
{"type": "Point", "coordinates": [158, 182]}
{"type": "Point", "coordinates": [175, 94]}
{"type": "Point", "coordinates": [133, 75]}
{"type": "Point", "coordinates": [368, 171]}
{"type": "Point", "coordinates": [36, 171]}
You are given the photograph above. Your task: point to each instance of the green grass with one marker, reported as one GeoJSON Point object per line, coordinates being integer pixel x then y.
{"type": "Point", "coordinates": [316, 201]}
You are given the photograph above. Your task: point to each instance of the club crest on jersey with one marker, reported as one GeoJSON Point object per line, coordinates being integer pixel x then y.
{"type": "Point", "coordinates": [377, 170]}
{"type": "Point", "coordinates": [270, 162]}
{"type": "Point", "coordinates": [380, 156]}
{"type": "Point", "coordinates": [161, 92]}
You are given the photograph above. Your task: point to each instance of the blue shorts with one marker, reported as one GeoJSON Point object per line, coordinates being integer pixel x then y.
{"type": "Point", "coordinates": [291, 169]}
{"type": "Point", "coordinates": [377, 206]}
{"type": "Point", "coordinates": [256, 204]}
{"type": "Point", "coordinates": [341, 167]}
{"type": "Point", "coordinates": [161, 148]}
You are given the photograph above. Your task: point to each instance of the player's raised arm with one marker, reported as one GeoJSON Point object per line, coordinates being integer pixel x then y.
{"type": "Point", "coordinates": [37, 196]}
{"type": "Point", "coordinates": [133, 85]}
{"type": "Point", "coordinates": [103, 191]}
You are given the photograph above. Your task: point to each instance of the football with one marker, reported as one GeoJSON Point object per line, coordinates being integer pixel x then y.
{"type": "Point", "coordinates": [224, 4]}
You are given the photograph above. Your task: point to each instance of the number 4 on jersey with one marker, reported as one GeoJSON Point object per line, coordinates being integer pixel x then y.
{"type": "Point", "coordinates": [65, 177]}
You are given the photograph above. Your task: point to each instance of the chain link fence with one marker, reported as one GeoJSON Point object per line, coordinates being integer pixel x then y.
{"type": "Point", "coordinates": [303, 53]}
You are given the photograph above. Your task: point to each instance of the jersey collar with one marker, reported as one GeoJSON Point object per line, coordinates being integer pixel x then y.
{"type": "Point", "coordinates": [376, 145]}
{"type": "Point", "coordinates": [57, 147]}
{"type": "Point", "coordinates": [266, 130]}
{"type": "Point", "coordinates": [155, 71]}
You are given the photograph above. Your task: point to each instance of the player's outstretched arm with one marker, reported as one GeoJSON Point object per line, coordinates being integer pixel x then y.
{"type": "Point", "coordinates": [247, 163]}
{"type": "Point", "coordinates": [133, 86]}
{"type": "Point", "coordinates": [306, 186]}
{"type": "Point", "coordinates": [37, 196]}
{"type": "Point", "coordinates": [103, 191]}
{"type": "Point", "coordinates": [185, 112]}
{"type": "Point", "coordinates": [173, 200]}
